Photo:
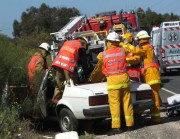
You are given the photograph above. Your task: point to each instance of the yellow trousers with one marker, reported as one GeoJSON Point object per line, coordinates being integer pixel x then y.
{"type": "Point", "coordinates": [120, 98]}
{"type": "Point", "coordinates": [155, 111]}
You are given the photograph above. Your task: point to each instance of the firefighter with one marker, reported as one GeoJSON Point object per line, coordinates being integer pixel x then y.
{"type": "Point", "coordinates": [150, 71]}
{"type": "Point", "coordinates": [36, 69]}
{"type": "Point", "coordinates": [133, 62]}
{"type": "Point", "coordinates": [118, 83]}
{"type": "Point", "coordinates": [37, 65]}
{"type": "Point", "coordinates": [120, 29]}
{"type": "Point", "coordinates": [71, 54]}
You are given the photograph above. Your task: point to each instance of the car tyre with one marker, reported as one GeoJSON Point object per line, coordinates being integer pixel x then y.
{"type": "Point", "coordinates": [67, 121]}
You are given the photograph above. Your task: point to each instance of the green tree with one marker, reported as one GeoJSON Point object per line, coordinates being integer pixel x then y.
{"type": "Point", "coordinates": [149, 18]}
{"type": "Point", "coordinates": [44, 19]}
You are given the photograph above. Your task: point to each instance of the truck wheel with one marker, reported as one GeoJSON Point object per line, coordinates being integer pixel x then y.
{"type": "Point", "coordinates": [67, 121]}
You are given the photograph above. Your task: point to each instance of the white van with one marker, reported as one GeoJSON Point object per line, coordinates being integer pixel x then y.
{"type": "Point", "coordinates": [166, 42]}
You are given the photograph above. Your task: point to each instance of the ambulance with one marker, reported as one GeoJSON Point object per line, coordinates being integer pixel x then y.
{"type": "Point", "coordinates": [166, 42]}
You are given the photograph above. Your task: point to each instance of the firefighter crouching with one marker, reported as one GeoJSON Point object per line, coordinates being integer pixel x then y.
{"type": "Point", "coordinates": [72, 53]}
{"type": "Point", "coordinates": [118, 83]}
{"type": "Point", "coordinates": [150, 71]}
{"type": "Point", "coordinates": [133, 62]}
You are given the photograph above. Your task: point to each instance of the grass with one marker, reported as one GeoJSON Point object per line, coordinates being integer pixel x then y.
{"type": "Point", "coordinates": [12, 125]}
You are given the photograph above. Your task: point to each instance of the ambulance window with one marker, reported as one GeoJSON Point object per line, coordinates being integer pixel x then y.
{"type": "Point", "coordinates": [166, 24]}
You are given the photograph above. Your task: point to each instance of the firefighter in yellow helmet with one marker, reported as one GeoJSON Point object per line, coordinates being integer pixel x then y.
{"type": "Point", "coordinates": [133, 62]}
{"type": "Point", "coordinates": [118, 83]}
{"type": "Point", "coordinates": [120, 29]}
{"type": "Point", "coordinates": [150, 71]}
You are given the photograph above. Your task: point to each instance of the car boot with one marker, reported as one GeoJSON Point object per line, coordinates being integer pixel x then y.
{"type": "Point", "coordinates": [114, 131]}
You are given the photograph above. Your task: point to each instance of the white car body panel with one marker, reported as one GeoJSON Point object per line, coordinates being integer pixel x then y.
{"type": "Point", "coordinates": [76, 97]}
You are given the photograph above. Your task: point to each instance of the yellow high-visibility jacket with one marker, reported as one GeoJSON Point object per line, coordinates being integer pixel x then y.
{"type": "Point", "coordinates": [133, 59]}
{"type": "Point", "coordinates": [151, 75]}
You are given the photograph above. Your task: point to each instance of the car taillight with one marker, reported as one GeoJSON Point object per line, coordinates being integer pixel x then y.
{"type": "Point", "coordinates": [142, 95]}
{"type": "Point", "coordinates": [98, 100]}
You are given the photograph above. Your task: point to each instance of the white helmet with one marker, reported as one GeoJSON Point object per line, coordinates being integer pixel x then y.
{"type": "Point", "coordinates": [142, 35]}
{"type": "Point", "coordinates": [113, 36]}
{"type": "Point", "coordinates": [45, 46]}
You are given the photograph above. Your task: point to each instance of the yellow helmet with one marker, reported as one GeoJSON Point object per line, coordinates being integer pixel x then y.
{"type": "Point", "coordinates": [119, 27]}
{"type": "Point", "coordinates": [128, 38]}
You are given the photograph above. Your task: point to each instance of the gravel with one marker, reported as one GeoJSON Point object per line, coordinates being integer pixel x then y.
{"type": "Point", "coordinates": [169, 128]}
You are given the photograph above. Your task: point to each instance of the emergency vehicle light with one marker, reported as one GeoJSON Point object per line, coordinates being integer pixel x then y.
{"type": "Point", "coordinates": [170, 24]}
{"type": "Point", "coordinates": [98, 100]}
{"type": "Point", "coordinates": [132, 11]}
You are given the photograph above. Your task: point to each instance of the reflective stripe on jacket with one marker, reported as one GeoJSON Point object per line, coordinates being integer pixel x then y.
{"type": "Point", "coordinates": [152, 64]}
{"type": "Point", "coordinates": [114, 61]}
{"type": "Point", "coordinates": [68, 55]}
{"type": "Point", "coordinates": [151, 74]}
{"type": "Point", "coordinates": [118, 86]}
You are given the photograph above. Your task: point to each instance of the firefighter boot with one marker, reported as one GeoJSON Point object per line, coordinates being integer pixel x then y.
{"type": "Point", "coordinates": [129, 128]}
{"type": "Point", "coordinates": [114, 131]}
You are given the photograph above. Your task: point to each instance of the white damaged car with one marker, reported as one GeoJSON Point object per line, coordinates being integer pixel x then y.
{"type": "Point", "coordinates": [89, 102]}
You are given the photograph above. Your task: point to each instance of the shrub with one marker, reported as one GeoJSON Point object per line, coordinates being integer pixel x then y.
{"type": "Point", "coordinates": [12, 126]}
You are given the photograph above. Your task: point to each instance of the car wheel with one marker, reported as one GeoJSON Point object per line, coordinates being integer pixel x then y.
{"type": "Point", "coordinates": [67, 121]}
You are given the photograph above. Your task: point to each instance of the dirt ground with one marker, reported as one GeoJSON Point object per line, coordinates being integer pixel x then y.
{"type": "Point", "coordinates": [169, 128]}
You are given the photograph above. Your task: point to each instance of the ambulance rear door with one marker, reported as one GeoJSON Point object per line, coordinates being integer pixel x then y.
{"type": "Point", "coordinates": [171, 45]}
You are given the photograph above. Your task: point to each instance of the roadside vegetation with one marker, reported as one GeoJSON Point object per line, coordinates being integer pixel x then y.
{"type": "Point", "coordinates": [33, 29]}
{"type": "Point", "coordinates": [11, 55]}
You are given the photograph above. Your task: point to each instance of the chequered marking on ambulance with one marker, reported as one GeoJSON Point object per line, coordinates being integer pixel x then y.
{"type": "Point", "coordinates": [172, 29]}
{"type": "Point", "coordinates": [172, 46]}
{"type": "Point", "coordinates": [172, 61]}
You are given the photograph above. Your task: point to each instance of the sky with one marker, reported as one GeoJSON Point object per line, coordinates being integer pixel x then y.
{"type": "Point", "coordinates": [11, 10]}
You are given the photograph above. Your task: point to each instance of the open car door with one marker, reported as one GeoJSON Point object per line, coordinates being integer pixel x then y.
{"type": "Point", "coordinates": [41, 95]}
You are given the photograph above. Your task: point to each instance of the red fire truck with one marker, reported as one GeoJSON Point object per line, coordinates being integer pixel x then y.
{"type": "Point", "coordinates": [104, 21]}
{"type": "Point", "coordinates": [101, 23]}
